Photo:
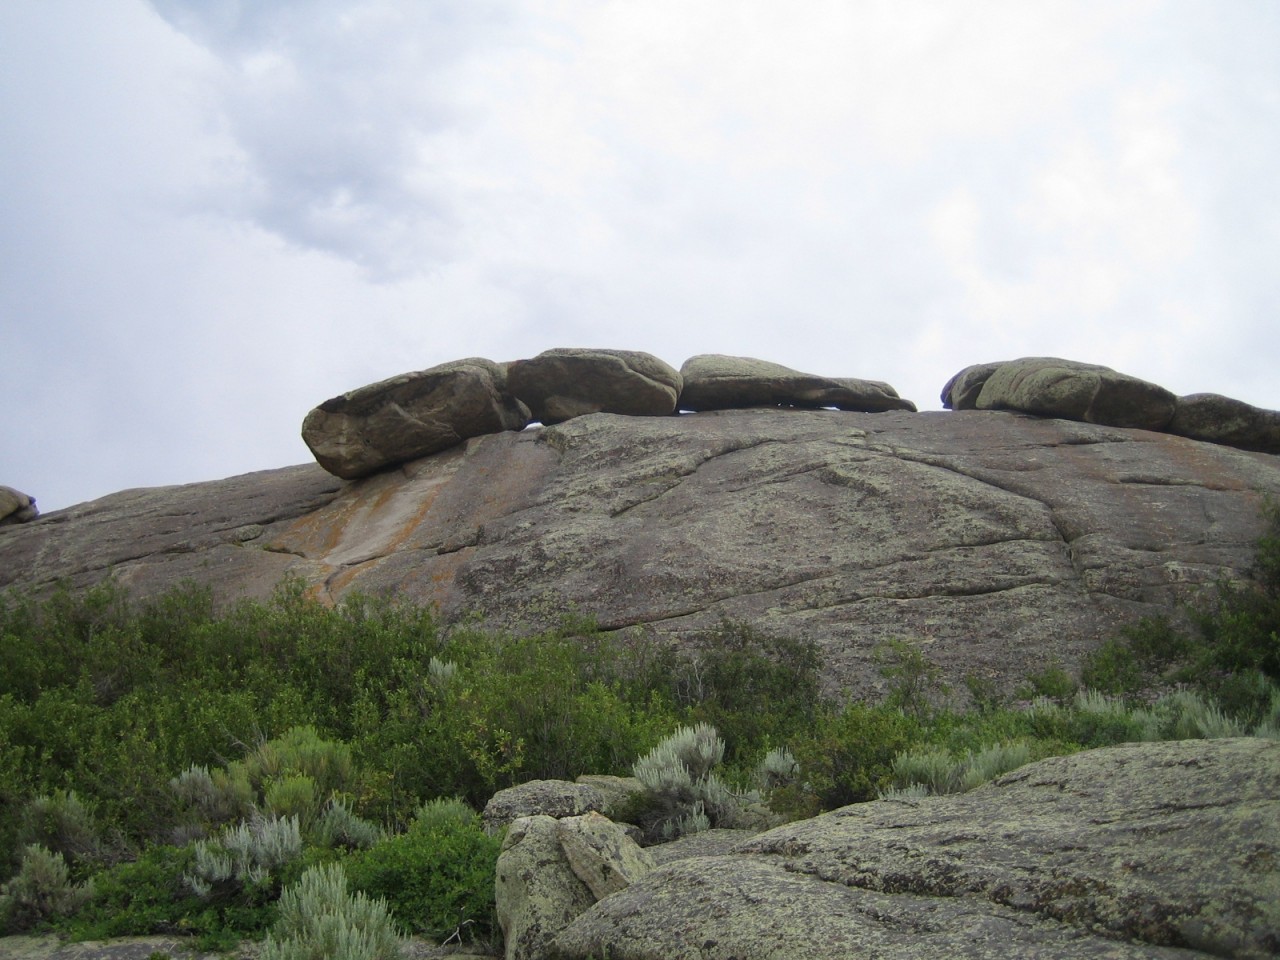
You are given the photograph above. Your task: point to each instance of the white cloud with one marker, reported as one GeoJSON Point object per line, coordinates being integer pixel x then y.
{"type": "Point", "coordinates": [223, 214]}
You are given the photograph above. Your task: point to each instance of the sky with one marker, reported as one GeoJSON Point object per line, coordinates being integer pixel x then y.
{"type": "Point", "coordinates": [217, 214]}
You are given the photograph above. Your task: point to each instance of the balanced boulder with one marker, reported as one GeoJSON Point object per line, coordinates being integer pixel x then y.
{"type": "Point", "coordinates": [1219, 419]}
{"type": "Point", "coordinates": [1065, 389]}
{"type": "Point", "coordinates": [411, 416]}
{"type": "Point", "coordinates": [16, 506]}
{"type": "Point", "coordinates": [549, 798]}
{"type": "Point", "coordinates": [558, 385]}
{"type": "Point", "coordinates": [713, 381]}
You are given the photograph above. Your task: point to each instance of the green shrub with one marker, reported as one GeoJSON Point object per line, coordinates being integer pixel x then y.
{"type": "Point", "coordinates": [321, 920]}
{"type": "Point", "coordinates": [62, 823]}
{"type": "Point", "coordinates": [684, 794]}
{"type": "Point", "coordinates": [915, 684]}
{"type": "Point", "coordinates": [437, 877]}
{"type": "Point", "coordinates": [240, 862]}
{"type": "Point", "coordinates": [724, 682]}
{"type": "Point", "coordinates": [41, 892]}
{"type": "Point", "coordinates": [147, 896]}
{"type": "Point", "coordinates": [847, 757]}
{"type": "Point", "coordinates": [933, 770]}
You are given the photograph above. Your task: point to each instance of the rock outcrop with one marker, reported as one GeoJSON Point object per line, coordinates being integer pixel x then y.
{"type": "Point", "coordinates": [1219, 419]}
{"type": "Point", "coordinates": [16, 506]}
{"type": "Point", "coordinates": [717, 382]}
{"type": "Point", "coordinates": [550, 798]}
{"type": "Point", "coordinates": [1001, 542]}
{"type": "Point", "coordinates": [1167, 850]}
{"type": "Point", "coordinates": [410, 416]}
{"type": "Point", "coordinates": [1049, 387]}
{"type": "Point", "coordinates": [558, 385]}
{"type": "Point", "coordinates": [550, 871]}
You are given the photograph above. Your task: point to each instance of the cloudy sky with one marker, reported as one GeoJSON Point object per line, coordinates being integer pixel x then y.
{"type": "Point", "coordinates": [218, 213]}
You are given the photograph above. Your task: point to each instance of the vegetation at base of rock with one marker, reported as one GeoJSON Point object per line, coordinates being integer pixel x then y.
{"type": "Point", "coordinates": [142, 744]}
{"type": "Point", "coordinates": [1228, 648]}
{"type": "Point", "coordinates": [320, 917]}
{"type": "Point", "coordinates": [437, 878]}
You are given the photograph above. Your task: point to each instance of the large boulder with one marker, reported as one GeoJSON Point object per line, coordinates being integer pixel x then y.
{"type": "Point", "coordinates": [602, 854]}
{"type": "Point", "coordinates": [16, 506]}
{"type": "Point", "coordinates": [1219, 419]}
{"type": "Point", "coordinates": [550, 871]}
{"type": "Point", "coordinates": [550, 798]}
{"type": "Point", "coordinates": [1049, 387]}
{"type": "Point", "coordinates": [1146, 850]}
{"type": "Point", "coordinates": [558, 385]}
{"type": "Point", "coordinates": [713, 381]}
{"type": "Point", "coordinates": [411, 416]}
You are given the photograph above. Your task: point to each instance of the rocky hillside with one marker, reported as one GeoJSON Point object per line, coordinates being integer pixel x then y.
{"type": "Point", "coordinates": [1000, 540]}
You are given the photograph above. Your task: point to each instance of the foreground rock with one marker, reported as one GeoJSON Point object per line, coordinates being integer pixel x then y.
{"type": "Point", "coordinates": [410, 416]}
{"type": "Point", "coordinates": [716, 382]}
{"type": "Point", "coordinates": [558, 385]}
{"type": "Point", "coordinates": [16, 506]}
{"type": "Point", "coordinates": [550, 871]}
{"type": "Point", "coordinates": [1146, 850]}
{"type": "Point", "coordinates": [1219, 419]}
{"type": "Point", "coordinates": [1003, 542]}
{"type": "Point", "coordinates": [1049, 387]}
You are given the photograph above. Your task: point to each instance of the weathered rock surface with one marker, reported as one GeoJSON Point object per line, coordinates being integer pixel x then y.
{"type": "Point", "coordinates": [16, 506]}
{"type": "Point", "coordinates": [1050, 387]}
{"type": "Point", "coordinates": [551, 798]}
{"type": "Point", "coordinates": [410, 416]}
{"type": "Point", "coordinates": [601, 854]}
{"type": "Point", "coordinates": [1000, 541]}
{"type": "Point", "coordinates": [558, 385]}
{"type": "Point", "coordinates": [1145, 850]}
{"type": "Point", "coordinates": [716, 382]}
{"type": "Point", "coordinates": [551, 870]}
{"type": "Point", "coordinates": [1219, 419]}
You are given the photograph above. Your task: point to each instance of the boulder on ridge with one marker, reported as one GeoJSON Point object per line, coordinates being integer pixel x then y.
{"type": "Point", "coordinates": [1067, 389]}
{"type": "Point", "coordinates": [16, 506]}
{"type": "Point", "coordinates": [561, 384]}
{"type": "Point", "coordinates": [713, 381]}
{"type": "Point", "coordinates": [1219, 419]}
{"type": "Point", "coordinates": [1168, 850]}
{"type": "Point", "coordinates": [410, 416]}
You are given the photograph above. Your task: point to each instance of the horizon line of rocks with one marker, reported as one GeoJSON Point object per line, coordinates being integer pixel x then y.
{"type": "Point", "coordinates": [416, 414]}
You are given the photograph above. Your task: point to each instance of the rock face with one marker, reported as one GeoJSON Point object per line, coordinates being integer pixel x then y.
{"type": "Point", "coordinates": [998, 541]}
{"type": "Point", "coordinates": [558, 385]}
{"type": "Point", "coordinates": [1145, 850]}
{"type": "Point", "coordinates": [16, 506]}
{"type": "Point", "coordinates": [410, 416]}
{"type": "Point", "coordinates": [1219, 419]}
{"type": "Point", "coordinates": [550, 871]}
{"type": "Point", "coordinates": [551, 798]}
{"type": "Point", "coordinates": [716, 382]}
{"type": "Point", "coordinates": [1049, 387]}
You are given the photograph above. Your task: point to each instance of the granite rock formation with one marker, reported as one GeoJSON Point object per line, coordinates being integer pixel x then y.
{"type": "Point", "coordinates": [1165, 850]}
{"type": "Point", "coordinates": [558, 385]}
{"type": "Point", "coordinates": [1049, 387]}
{"type": "Point", "coordinates": [1219, 419]}
{"type": "Point", "coordinates": [16, 506]}
{"type": "Point", "coordinates": [998, 541]}
{"type": "Point", "coordinates": [410, 416]}
{"type": "Point", "coordinates": [716, 382]}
